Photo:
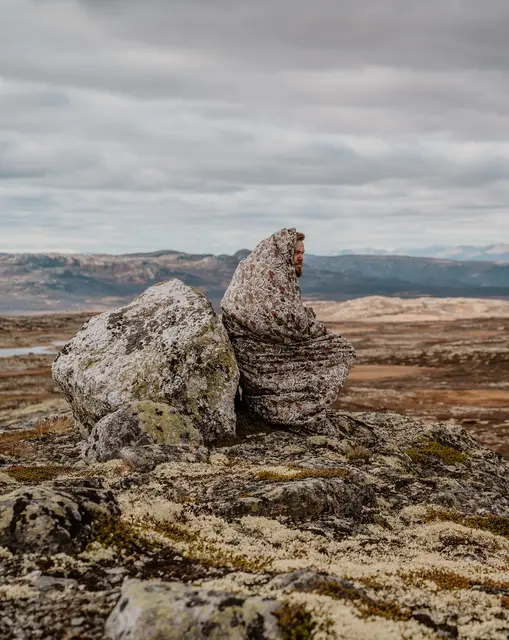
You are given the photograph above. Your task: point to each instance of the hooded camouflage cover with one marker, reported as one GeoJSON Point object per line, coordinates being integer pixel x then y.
{"type": "Point", "coordinates": [292, 367]}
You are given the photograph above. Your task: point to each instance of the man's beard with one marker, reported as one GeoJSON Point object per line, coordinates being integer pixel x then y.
{"type": "Point", "coordinates": [298, 270]}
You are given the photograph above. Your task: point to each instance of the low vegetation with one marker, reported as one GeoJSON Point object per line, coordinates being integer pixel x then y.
{"type": "Point", "coordinates": [428, 447]}
{"type": "Point", "coordinates": [36, 475]}
{"type": "Point", "coordinates": [295, 622]}
{"type": "Point", "coordinates": [499, 525]}
{"type": "Point", "coordinates": [301, 474]}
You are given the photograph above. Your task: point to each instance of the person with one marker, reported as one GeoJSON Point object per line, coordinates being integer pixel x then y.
{"type": "Point", "coordinates": [291, 367]}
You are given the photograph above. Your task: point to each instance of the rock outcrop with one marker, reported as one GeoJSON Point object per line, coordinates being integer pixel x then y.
{"type": "Point", "coordinates": [54, 518]}
{"type": "Point", "coordinates": [167, 347]}
{"type": "Point", "coordinates": [392, 529]}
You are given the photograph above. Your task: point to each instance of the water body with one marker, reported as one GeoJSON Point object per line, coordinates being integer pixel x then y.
{"type": "Point", "coordinates": [47, 350]}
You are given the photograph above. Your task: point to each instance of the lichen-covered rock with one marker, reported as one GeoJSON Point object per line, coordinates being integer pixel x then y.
{"type": "Point", "coordinates": [53, 518]}
{"type": "Point", "coordinates": [146, 458]}
{"type": "Point", "coordinates": [167, 346]}
{"type": "Point", "coordinates": [171, 611]}
{"type": "Point", "coordinates": [306, 500]}
{"type": "Point", "coordinates": [139, 424]}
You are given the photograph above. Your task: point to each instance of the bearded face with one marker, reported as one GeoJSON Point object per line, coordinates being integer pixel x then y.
{"type": "Point", "coordinates": [298, 258]}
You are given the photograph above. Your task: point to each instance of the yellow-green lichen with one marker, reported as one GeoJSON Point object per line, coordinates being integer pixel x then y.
{"type": "Point", "coordinates": [165, 425]}
{"type": "Point", "coordinates": [295, 622]}
{"type": "Point", "coordinates": [428, 447]}
{"type": "Point", "coordinates": [89, 362]}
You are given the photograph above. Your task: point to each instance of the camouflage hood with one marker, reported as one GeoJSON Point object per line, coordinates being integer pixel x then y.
{"type": "Point", "coordinates": [292, 367]}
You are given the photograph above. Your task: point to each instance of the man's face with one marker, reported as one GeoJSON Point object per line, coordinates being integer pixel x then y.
{"type": "Point", "coordinates": [298, 258]}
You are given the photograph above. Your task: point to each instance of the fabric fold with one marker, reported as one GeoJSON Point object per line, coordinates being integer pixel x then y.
{"type": "Point", "coordinates": [292, 368]}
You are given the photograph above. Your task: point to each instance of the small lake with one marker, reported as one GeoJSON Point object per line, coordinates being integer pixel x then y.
{"type": "Point", "coordinates": [47, 350]}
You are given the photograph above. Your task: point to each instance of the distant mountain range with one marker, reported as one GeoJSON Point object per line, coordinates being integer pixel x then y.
{"type": "Point", "coordinates": [58, 282]}
{"type": "Point", "coordinates": [492, 252]}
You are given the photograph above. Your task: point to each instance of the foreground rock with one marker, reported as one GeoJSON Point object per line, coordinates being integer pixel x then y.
{"type": "Point", "coordinates": [167, 346]}
{"type": "Point", "coordinates": [136, 425]}
{"type": "Point", "coordinates": [54, 518]}
{"type": "Point", "coordinates": [393, 529]}
{"type": "Point", "coordinates": [171, 611]}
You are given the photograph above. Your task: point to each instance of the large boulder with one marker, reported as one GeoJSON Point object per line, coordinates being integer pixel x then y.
{"type": "Point", "coordinates": [167, 346]}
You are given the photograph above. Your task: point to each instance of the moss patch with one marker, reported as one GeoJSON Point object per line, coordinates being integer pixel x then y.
{"type": "Point", "coordinates": [295, 622]}
{"type": "Point", "coordinates": [499, 525]}
{"type": "Point", "coordinates": [301, 474]}
{"type": "Point", "coordinates": [366, 606]}
{"type": "Point", "coordinates": [36, 475]}
{"type": "Point", "coordinates": [428, 447]}
{"type": "Point", "coordinates": [208, 553]}
{"type": "Point", "coordinates": [124, 537]}
{"type": "Point", "coordinates": [447, 580]}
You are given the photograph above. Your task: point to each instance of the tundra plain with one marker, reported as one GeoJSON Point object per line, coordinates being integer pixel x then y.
{"type": "Point", "coordinates": [432, 359]}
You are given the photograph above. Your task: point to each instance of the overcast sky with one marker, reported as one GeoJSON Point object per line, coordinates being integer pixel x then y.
{"type": "Point", "coordinates": [205, 125]}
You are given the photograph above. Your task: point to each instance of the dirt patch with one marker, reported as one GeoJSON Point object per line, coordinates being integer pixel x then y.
{"type": "Point", "coordinates": [375, 372]}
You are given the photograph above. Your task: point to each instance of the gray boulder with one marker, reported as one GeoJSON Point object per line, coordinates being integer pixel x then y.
{"type": "Point", "coordinates": [137, 425]}
{"type": "Point", "coordinates": [59, 517]}
{"type": "Point", "coordinates": [172, 611]}
{"type": "Point", "coordinates": [167, 346]}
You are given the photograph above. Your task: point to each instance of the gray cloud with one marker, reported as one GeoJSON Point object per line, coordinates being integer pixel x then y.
{"type": "Point", "coordinates": [206, 125]}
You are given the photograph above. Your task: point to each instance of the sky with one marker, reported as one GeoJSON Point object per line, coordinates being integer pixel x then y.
{"type": "Point", "coordinates": [206, 125]}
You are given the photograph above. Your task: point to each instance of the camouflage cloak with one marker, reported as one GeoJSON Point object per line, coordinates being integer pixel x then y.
{"type": "Point", "coordinates": [292, 367]}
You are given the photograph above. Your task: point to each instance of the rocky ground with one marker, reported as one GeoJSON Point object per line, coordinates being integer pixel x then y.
{"type": "Point", "coordinates": [397, 528]}
{"type": "Point", "coordinates": [394, 529]}
{"type": "Point", "coordinates": [453, 370]}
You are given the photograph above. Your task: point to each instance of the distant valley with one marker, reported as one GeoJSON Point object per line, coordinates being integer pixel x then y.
{"type": "Point", "coordinates": [492, 252]}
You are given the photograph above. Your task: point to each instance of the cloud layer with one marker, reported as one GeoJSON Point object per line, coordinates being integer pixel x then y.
{"type": "Point", "coordinates": [205, 125]}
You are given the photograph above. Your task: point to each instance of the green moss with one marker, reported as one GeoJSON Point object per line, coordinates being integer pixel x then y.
{"type": "Point", "coordinates": [126, 538]}
{"type": "Point", "coordinates": [301, 474]}
{"type": "Point", "coordinates": [35, 475]}
{"type": "Point", "coordinates": [499, 525]}
{"type": "Point", "coordinates": [174, 531]}
{"type": "Point", "coordinates": [295, 622]}
{"type": "Point", "coordinates": [428, 447]}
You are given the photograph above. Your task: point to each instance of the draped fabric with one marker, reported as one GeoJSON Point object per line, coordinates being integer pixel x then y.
{"type": "Point", "coordinates": [292, 367]}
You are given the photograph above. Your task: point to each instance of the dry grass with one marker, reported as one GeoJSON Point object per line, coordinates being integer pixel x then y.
{"type": "Point", "coordinates": [301, 474]}
{"type": "Point", "coordinates": [20, 443]}
{"type": "Point", "coordinates": [358, 453]}
{"type": "Point", "coordinates": [35, 475]}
